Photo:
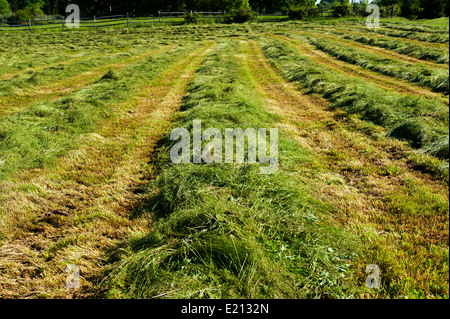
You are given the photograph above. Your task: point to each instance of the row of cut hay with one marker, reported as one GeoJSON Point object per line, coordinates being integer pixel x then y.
{"type": "Point", "coordinates": [407, 48]}
{"type": "Point", "coordinates": [34, 137]}
{"type": "Point", "coordinates": [225, 230]}
{"type": "Point", "coordinates": [435, 79]}
{"type": "Point", "coordinates": [422, 122]}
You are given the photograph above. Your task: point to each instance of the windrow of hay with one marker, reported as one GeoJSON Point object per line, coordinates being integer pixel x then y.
{"type": "Point", "coordinates": [225, 230]}
{"type": "Point", "coordinates": [34, 137]}
{"type": "Point", "coordinates": [360, 97]}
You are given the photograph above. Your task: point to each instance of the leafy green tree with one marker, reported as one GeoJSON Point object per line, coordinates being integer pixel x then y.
{"type": "Point", "coordinates": [268, 5]}
{"type": "Point", "coordinates": [230, 5]}
{"type": "Point", "coordinates": [301, 3]}
{"type": "Point", "coordinates": [22, 4]}
{"type": "Point", "coordinates": [434, 8]}
{"type": "Point", "coordinates": [327, 3]}
{"type": "Point", "coordinates": [418, 8]}
{"type": "Point", "coordinates": [342, 9]}
{"type": "Point", "coordinates": [408, 8]}
{"type": "Point", "coordinates": [4, 7]}
{"type": "Point", "coordinates": [411, 8]}
{"type": "Point", "coordinates": [29, 12]}
{"type": "Point", "coordinates": [297, 13]}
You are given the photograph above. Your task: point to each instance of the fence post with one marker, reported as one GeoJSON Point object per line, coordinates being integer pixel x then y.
{"type": "Point", "coordinates": [127, 20]}
{"type": "Point", "coordinates": [321, 12]}
{"type": "Point", "coordinates": [392, 12]}
{"type": "Point", "coordinates": [159, 16]}
{"type": "Point", "coordinates": [62, 25]}
{"type": "Point", "coordinates": [94, 22]}
{"type": "Point", "coordinates": [29, 23]}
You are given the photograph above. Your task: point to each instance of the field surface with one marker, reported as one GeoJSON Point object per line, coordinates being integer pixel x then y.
{"type": "Point", "coordinates": [86, 178]}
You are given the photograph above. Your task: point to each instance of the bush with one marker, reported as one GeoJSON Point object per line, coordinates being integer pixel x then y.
{"type": "Point", "coordinates": [341, 10]}
{"type": "Point", "coordinates": [29, 12]}
{"type": "Point", "coordinates": [221, 19]}
{"type": "Point", "coordinates": [21, 15]}
{"type": "Point", "coordinates": [242, 16]}
{"type": "Point", "coordinates": [297, 13]}
{"type": "Point", "coordinates": [314, 12]}
{"type": "Point", "coordinates": [190, 18]}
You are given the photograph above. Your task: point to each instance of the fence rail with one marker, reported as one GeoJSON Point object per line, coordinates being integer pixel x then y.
{"type": "Point", "coordinates": [127, 19]}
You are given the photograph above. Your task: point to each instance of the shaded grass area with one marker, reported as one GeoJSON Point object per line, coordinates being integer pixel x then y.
{"type": "Point", "coordinates": [34, 137]}
{"type": "Point", "coordinates": [424, 123]}
{"type": "Point", "coordinates": [227, 231]}
{"type": "Point", "coordinates": [435, 79]}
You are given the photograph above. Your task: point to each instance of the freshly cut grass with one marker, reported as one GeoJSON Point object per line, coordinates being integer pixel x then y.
{"type": "Point", "coordinates": [408, 48]}
{"type": "Point", "coordinates": [76, 204]}
{"type": "Point", "coordinates": [227, 231]}
{"type": "Point", "coordinates": [390, 84]}
{"type": "Point", "coordinates": [441, 23]}
{"type": "Point", "coordinates": [27, 51]}
{"type": "Point", "coordinates": [417, 27]}
{"type": "Point", "coordinates": [359, 180]}
{"type": "Point", "coordinates": [363, 98]}
{"type": "Point", "coordinates": [29, 81]}
{"type": "Point", "coordinates": [433, 38]}
{"type": "Point", "coordinates": [440, 37]}
{"type": "Point", "coordinates": [220, 230]}
{"type": "Point", "coordinates": [435, 79]}
{"type": "Point", "coordinates": [34, 137]}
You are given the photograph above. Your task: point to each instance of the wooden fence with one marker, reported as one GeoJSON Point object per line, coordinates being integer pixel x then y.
{"type": "Point", "coordinates": [129, 19]}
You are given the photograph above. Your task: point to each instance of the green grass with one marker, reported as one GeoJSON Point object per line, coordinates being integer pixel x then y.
{"type": "Point", "coordinates": [219, 230]}
{"type": "Point", "coordinates": [36, 136]}
{"type": "Point", "coordinates": [28, 81]}
{"type": "Point", "coordinates": [441, 37]}
{"type": "Point", "coordinates": [357, 96]}
{"type": "Point", "coordinates": [435, 79]}
{"type": "Point", "coordinates": [423, 24]}
{"type": "Point", "coordinates": [439, 26]}
{"type": "Point", "coordinates": [396, 28]}
{"type": "Point", "coordinates": [226, 231]}
{"type": "Point", "coordinates": [439, 22]}
{"type": "Point", "coordinates": [25, 51]}
{"type": "Point", "coordinates": [412, 49]}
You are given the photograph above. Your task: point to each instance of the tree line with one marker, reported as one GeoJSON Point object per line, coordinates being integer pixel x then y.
{"type": "Point", "coordinates": [406, 8]}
